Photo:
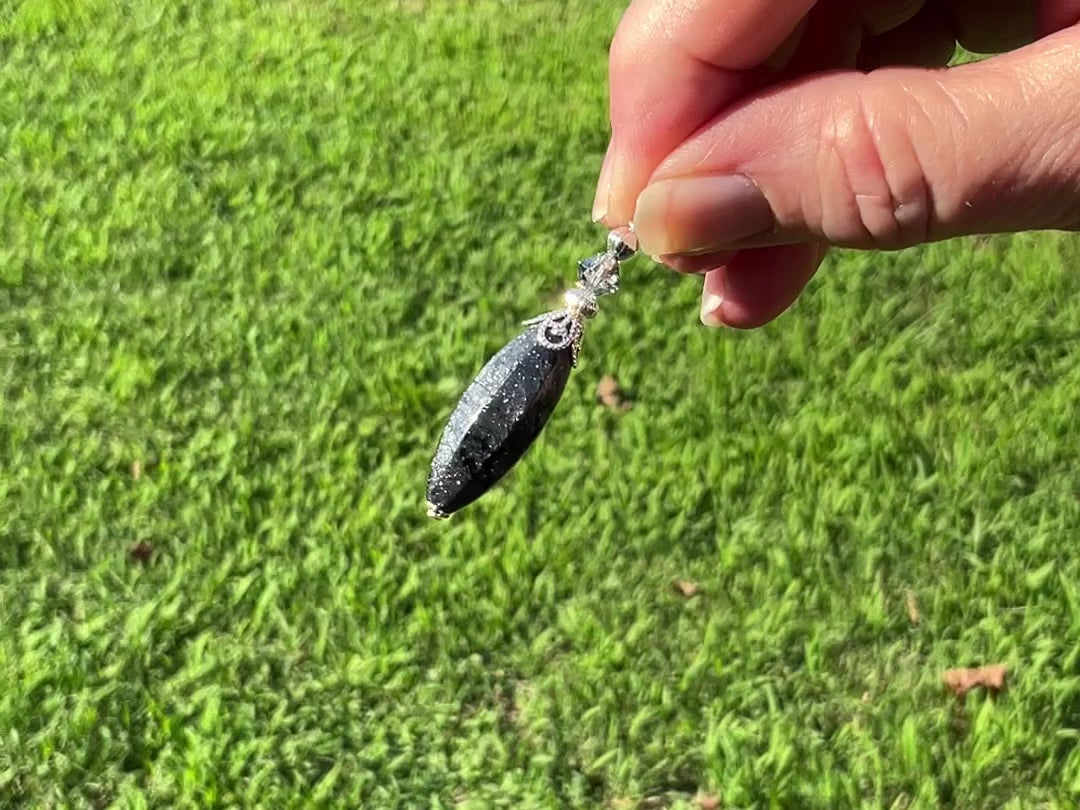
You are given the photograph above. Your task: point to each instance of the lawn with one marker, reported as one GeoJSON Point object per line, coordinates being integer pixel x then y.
{"type": "Point", "coordinates": [251, 254]}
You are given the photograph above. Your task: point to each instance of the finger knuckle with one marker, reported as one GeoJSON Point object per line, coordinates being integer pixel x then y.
{"type": "Point", "coordinates": [879, 196]}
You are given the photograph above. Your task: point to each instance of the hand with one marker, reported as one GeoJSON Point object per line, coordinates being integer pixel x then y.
{"type": "Point", "coordinates": [748, 136]}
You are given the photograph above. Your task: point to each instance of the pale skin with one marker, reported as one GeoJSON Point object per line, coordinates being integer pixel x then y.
{"type": "Point", "coordinates": [749, 136]}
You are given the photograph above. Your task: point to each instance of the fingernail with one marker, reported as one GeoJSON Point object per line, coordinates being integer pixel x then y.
{"type": "Point", "coordinates": [712, 300]}
{"type": "Point", "coordinates": [711, 304]}
{"type": "Point", "coordinates": [621, 189]}
{"type": "Point", "coordinates": [603, 187]}
{"type": "Point", "coordinates": [700, 214]}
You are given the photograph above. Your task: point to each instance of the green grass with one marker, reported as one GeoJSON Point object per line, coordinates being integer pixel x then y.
{"type": "Point", "coordinates": [260, 247]}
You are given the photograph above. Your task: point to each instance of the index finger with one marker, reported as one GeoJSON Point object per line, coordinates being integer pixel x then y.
{"type": "Point", "coordinates": [674, 65]}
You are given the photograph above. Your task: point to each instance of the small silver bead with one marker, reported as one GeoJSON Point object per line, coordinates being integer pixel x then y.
{"type": "Point", "coordinates": [622, 244]}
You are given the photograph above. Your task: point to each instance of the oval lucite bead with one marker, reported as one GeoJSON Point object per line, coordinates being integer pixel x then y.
{"type": "Point", "coordinates": [497, 419]}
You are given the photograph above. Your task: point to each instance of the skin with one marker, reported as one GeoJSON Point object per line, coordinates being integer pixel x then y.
{"type": "Point", "coordinates": [749, 136]}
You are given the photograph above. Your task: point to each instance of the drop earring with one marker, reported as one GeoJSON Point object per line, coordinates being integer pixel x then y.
{"type": "Point", "coordinates": [507, 405]}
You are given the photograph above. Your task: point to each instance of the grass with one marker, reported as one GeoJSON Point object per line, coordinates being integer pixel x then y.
{"type": "Point", "coordinates": [251, 254]}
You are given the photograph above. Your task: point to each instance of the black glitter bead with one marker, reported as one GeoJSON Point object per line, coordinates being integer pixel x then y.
{"type": "Point", "coordinates": [497, 420]}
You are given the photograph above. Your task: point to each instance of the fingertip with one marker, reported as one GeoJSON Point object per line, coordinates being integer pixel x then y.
{"type": "Point", "coordinates": [758, 285]}
{"type": "Point", "coordinates": [1053, 17]}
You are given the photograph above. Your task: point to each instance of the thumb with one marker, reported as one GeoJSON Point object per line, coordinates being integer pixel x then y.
{"type": "Point", "coordinates": [881, 160]}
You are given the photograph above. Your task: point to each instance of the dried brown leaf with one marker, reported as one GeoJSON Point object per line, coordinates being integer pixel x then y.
{"type": "Point", "coordinates": [961, 681]}
{"type": "Point", "coordinates": [611, 394]}
{"type": "Point", "coordinates": [140, 552]}
{"type": "Point", "coordinates": [684, 587]}
{"type": "Point", "coordinates": [912, 606]}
